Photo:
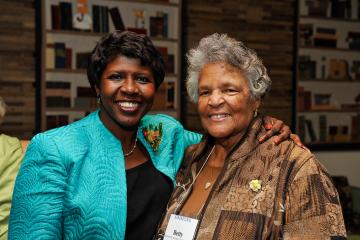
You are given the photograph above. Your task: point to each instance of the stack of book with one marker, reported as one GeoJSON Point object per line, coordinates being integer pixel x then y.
{"type": "Point", "coordinates": [54, 121]}
{"type": "Point", "coordinates": [169, 59]}
{"type": "Point", "coordinates": [325, 37]}
{"type": "Point", "coordinates": [58, 94]}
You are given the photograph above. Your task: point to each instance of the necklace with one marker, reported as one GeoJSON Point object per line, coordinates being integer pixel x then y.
{"type": "Point", "coordinates": [133, 148]}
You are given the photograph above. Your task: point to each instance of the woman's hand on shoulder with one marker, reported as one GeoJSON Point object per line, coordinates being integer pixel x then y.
{"type": "Point", "coordinates": [280, 130]}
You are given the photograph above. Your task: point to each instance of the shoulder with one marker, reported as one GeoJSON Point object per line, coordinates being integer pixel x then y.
{"type": "Point", "coordinates": [7, 143]}
{"type": "Point", "coordinates": [165, 120]}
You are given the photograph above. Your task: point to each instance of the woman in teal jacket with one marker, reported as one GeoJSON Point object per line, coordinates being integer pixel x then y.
{"type": "Point", "coordinates": [109, 175]}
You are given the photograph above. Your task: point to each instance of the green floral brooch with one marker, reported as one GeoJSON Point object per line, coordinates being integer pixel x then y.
{"type": "Point", "coordinates": [153, 135]}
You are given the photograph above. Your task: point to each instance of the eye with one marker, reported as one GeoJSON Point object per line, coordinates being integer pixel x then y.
{"type": "Point", "coordinates": [116, 76]}
{"type": "Point", "coordinates": [143, 79]}
{"type": "Point", "coordinates": [204, 93]}
{"type": "Point", "coordinates": [230, 91]}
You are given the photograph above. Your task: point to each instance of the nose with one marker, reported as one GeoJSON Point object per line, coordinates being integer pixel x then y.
{"type": "Point", "coordinates": [216, 99]}
{"type": "Point", "coordinates": [129, 86]}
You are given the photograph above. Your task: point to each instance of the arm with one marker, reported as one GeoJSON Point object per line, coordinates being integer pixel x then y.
{"type": "Point", "coordinates": [38, 194]}
{"type": "Point", "coordinates": [10, 160]}
{"type": "Point", "coordinates": [312, 207]}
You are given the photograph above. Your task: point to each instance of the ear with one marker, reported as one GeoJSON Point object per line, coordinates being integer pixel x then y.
{"type": "Point", "coordinates": [97, 91]}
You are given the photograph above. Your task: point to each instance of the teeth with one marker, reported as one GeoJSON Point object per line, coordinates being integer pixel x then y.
{"type": "Point", "coordinates": [128, 104]}
{"type": "Point", "coordinates": [218, 116]}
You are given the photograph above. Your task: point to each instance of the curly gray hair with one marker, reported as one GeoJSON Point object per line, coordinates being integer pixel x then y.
{"type": "Point", "coordinates": [2, 109]}
{"type": "Point", "coordinates": [221, 48]}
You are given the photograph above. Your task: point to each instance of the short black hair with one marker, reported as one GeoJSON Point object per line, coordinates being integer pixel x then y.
{"type": "Point", "coordinates": [127, 44]}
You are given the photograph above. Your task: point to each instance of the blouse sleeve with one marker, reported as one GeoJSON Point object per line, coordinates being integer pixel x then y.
{"type": "Point", "coordinates": [39, 193]}
{"type": "Point", "coordinates": [10, 159]}
{"type": "Point", "coordinates": [312, 207]}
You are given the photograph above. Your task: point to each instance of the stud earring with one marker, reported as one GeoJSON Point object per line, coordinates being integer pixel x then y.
{"type": "Point", "coordinates": [98, 99]}
{"type": "Point", "coordinates": [255, 113]}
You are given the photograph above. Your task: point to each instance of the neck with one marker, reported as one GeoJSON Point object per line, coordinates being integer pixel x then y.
{"type": "Point", "coordinates": [126, 135]}
{"type": "Point", "coordinates": [223, 146]}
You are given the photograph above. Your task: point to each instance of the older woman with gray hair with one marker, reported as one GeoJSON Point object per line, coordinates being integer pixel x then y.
{"type": "Point", "coordinates": [232, 187]}
{"type": "Point", "coordinates": [11, 156]}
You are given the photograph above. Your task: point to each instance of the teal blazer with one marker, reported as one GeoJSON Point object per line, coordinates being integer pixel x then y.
{"type": "Point", "coordinates": [72, 183]}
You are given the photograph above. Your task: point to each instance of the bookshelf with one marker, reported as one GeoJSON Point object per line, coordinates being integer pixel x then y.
{"type": "Point", "coordinates": [65, 94]}
{"type": "Point", "coordinates": [328, 78]}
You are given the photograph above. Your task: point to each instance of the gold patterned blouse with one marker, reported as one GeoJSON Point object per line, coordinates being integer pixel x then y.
{"type": "Point", "coordinates": [264, 191]}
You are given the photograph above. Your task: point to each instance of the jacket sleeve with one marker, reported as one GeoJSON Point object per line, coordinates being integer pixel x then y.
{"type": "Point", "coordinates": [312, 207]}
{"type": "Point", "coordinates": [39, 192]}
{"type": "Point", "coordinates": [191, 138]}
{"type": "Point", "coordinates": [10, 159]}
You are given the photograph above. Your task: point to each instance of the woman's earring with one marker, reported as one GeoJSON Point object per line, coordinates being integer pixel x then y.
{"type": "Point", "coordinates": [98, 99]}
{"type": "Point", "coordinates": [255, 113]}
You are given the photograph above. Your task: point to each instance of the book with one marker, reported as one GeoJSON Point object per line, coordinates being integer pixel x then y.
{"type": "Point", "coordinates": [137, 30]}
{"type": "Point", "coordinates": [104, 14]}
{"type": "Point", "coordinates": [66, 15]}
{"type": "Point", "coordinates": [85, 92]}
{"type": "Point", "coordinates": [68, 58]}
{"type": "Point", "coordinates": [82, 59]}
{"type": "Point", "coordinates": [117, 19]}
{"type": "Point", "coordinates": [53, 121]}
{"type": "Point", "coordinates": [55, 17]}
{"type": "Point", "coordinates": [50, 56]}
{"type": "Point", "coordinates": [310, 129]}
{"type": "Point", "coordinates": [96, 18]}
{"type": "Point", "coordinates": [322, 128]}
{"type": "Point", "coordinates": [60, 55]}
{"type": "Point", "coordinates": [301, 127]}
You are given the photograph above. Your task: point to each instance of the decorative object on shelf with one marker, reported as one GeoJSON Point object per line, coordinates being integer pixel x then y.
{"type": "Point", "coordinates": [117, 19]}
{"type": "Point", "coordinates": [159, 25]}
{"type": "Point", "coordinates": [307, 67]}
{"type": "Point", "coordinates": [82, 21]}
{"type": "Point", "coordinates": [354, 40]}
{"type": "Point", "coordinates": [338, 69]}
{"type": "Point", "coordinates": [306, 31]}
{"type": "Point", "coordinates": [317, 8]}
{"type": "Point", "coordinates": [355, 70]}
{"type": "Point", "coordinates": [139, 16]}
{"type": "Point", "coordinates": [322, 101]}
{"type": "Point", "coordinates": [341, 9]}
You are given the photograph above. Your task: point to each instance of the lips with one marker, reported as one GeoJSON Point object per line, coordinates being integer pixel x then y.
{"type": "Point", "coordinates": [128, 106]}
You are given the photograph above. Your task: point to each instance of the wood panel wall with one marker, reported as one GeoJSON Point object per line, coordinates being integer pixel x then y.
{"type": "Point", "coordinates": [264, 25]}
{"type": "Point", "coordinates": [17, 66]}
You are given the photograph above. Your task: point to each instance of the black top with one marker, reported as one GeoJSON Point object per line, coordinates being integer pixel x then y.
{"type": "Point", "coordinates": [148, 192]}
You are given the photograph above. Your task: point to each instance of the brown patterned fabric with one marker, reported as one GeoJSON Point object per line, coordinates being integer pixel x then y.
{"type": "Point", "coordinates": [297, 199]}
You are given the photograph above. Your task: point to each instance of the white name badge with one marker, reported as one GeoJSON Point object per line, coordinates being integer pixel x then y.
{"type": "Point", "coordinates": [181, 228]}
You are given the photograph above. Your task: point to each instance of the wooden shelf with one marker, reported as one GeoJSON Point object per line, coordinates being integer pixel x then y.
{"type": "Point", "coordinates": [331, 19]}
{"type": "Point", "coordinates": [64, 109]}
{"type": "Point", "coordinates": [99, 35]}
{"type": "Point", "coordinates": [332, 146]}
{"type": "Point", "coordinates": [330, 49]}
{"type": "Point", "coordinates": [331, 111]}
{"type": "Point", "coordinates": [66, 70]}
{"type": "Point", "coordinates": [347, 81]}
{"type": "Point", "coordinates": [152, 2]}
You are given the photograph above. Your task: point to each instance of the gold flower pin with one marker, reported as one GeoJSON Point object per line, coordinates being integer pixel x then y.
{"type": "Point", "coordinates": [255, 185]}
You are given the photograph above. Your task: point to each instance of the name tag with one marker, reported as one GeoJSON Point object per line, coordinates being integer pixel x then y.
{"type": "Point", "coordinates": [181, 228]}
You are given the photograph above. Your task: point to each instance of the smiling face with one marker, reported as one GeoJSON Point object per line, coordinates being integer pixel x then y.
{"type": "Point", "coordinates": [127, 91]}
{"type": "Point", "coordinates": [225, 104]}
